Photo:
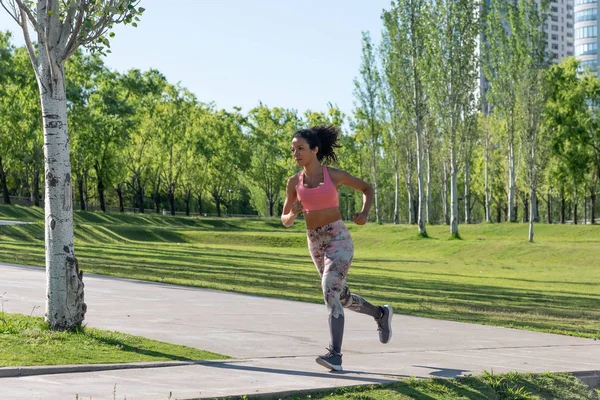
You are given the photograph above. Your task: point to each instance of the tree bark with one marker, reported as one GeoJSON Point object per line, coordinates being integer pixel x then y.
{"type": "Point", "coordinates": [467, 191]}
{"type": "Point", "coordinates": [156, 196]}
{"type": "Point", "coordinates": [532, 208]}
{"type": "Point", "coordinates": [171, 197]}
{"type": "Point", "coordinates": [65, 306]}
{"type": "Point", "coordinates": [188, 197]}
{"type": "Point", "coordinates": [396, 193]}
{"type": "Point", "coordinates": [488, 197]}
{"type": "Point", "coordinates": [120, 195]}
{"type": "Point", "coordinates": [429, 213]}
{"type": "Point", "coordinates": [453, 191]}
{"type": "Point", "coordinates": [593, 206]}
{"type": "Point", "coordinates": [526, 212]}
{"type": "Point", "coordinates": [100, 188]}
{"type": "Point", "coordinates": [563, 206]}
{"type": "Point", "coordinates": [140, 195]}
{"type": "Point", "coordinates": [549, 206]}
{"type": "Point", "coordinates": [36, 187]}
{"type": "Point", "coordinates": [512, 207]}
{"type": "Point", "coordinates": [5, 191]}
{"type": "Point", "coordinates": [199, 203]}
{"type": "Point", "coordinates": [445, 194]}
{"type": "Point", "coordinates": [80, 187]}
{"type": "Point", "coordinates": [575, 216]}
{"type": "Point", "coordinates": [376, 186]}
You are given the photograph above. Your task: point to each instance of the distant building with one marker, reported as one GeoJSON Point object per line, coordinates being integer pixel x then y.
{"type": "Point", "coordinates": [586, 34]}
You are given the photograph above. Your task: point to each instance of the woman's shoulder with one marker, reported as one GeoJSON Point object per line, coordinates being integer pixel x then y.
{"type": "Point", "coordinates": [294, 179]}
{"type": "Point", "coordinates": [336, 175]}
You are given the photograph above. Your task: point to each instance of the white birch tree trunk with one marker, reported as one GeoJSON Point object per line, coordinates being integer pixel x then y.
{"type": "Point", "coordinates": [453, 190]}
{"type": "Point", "coordinates": [445, 194]}
{"type": "Point", "coordinates": [511, 175]}
{"type": "Point", "coordinates": [65, 307]}
{"type": "Point", "coordinates": [421, 182]}
{"type": "Point", "coordinates": [396, 192]}
{"type": "Point", "coordinates": [467, 194]}
{"type": "Point", "coordinates": [375, 185]}
{"type": "Point", "coordinates": [428, 200]}
{"type": "Point", "coordinates": [488, 217]}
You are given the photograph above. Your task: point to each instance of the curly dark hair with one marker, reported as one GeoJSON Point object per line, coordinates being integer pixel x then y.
{"type": "Point", "coordinates": [325, 137]}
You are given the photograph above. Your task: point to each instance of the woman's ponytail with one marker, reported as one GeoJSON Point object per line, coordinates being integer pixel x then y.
{"type": "Point", "coordinates": [325, 137]}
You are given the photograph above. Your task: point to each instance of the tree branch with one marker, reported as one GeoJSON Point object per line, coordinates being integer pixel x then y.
{"type": "Point", "coordinates": [28, 44]}
{"type": "Point", "coordinates": [13, 14]}
{"type": "Point", "coordinates": [32, 20]}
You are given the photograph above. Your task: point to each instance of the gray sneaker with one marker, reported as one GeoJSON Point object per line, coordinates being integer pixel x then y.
{"type": "Point", "coordinates": [332, 360]}
{"type": "Point", "coordinates": [384, 324]}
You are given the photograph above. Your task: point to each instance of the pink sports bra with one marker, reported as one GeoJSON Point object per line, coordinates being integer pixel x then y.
{"type": "Point", "coordinates": [319, 198]}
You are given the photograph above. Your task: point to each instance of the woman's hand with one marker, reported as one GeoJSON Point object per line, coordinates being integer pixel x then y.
{"type": "Point", "coordinates": [297, 207]}
{"type": "Point", "coordinates": [359, 218]}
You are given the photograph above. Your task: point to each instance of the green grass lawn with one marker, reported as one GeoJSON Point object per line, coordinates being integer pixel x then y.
{"type": "Point", "coordinates": [492, 276]}
{"type": "Point", "coordinates": [26, 340]}
{"type": "Point", "coordinates": [511, 386]}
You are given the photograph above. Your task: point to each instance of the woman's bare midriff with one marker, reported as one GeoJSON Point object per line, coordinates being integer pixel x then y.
{"type": "Point", "coordinates": [318, 218]}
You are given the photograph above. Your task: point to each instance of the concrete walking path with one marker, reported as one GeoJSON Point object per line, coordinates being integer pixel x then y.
{"type": "Point", "coordinates": [274, 343]}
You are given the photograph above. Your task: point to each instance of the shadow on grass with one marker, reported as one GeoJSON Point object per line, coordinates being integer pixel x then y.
{"type": "Point", "coordinates": [137, 350]}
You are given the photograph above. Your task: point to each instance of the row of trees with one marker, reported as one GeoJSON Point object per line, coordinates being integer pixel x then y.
{"type": "Point", "coordinates": [433, 150]}
{"type": "Point", "coordinates": [422, 115]}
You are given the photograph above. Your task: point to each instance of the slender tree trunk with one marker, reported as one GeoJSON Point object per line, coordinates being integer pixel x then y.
{"type": "Point", "coordinates": [445, 194]}
{"type": "Point", "coordinates": [80, 187]}
{"type": "Point", "coordinates": [65, 307]}
{"type": "Point", "coordinates": [100, 187]}
{"type": "Point", "coordinates": [218, 204]}
{"type": "Point", "coordinates": [593, 206]}
{"type": "Point", "coordinates": [532, 208]}
{"type": "Point", "coordinates": [140, 195]}
{"type": "Point", "coordinates": [429, 212]}
{"type": "Point", "coordinates": [188, 198]}
{"type": "Point", "coordinates": [396, 192]}
{"type": "Point", "coordinates": [488, 197]}
{"type": "Point", "coordinates": [536, 209]}
{"type": "Point", "coordinates": [199, 203]}
{"type": "Point", "coordinates": [36, 187]}
{"type": "Point", "coordinates": [271, 205]}
{"type": "Point", "coordinates": [512, 208]}
{"type": "Point", "coordinates": [453, 190]}
{"type": "Point", "coordinates": [498, 214]}
{"type": "Point", "coordinates": [467, 190]}
{"type": "Point", "coordinates": [5, 191]}
{"type": "Point", "coordinates": [563, 207]}
{"type": "Point", "coordinates": [526, 212]}
{"type": "Point", "coordinates": [120, 196]}
{"type": "Point", "coordinates": [409, 193]}
{"type": "Point", "coordinates": [549, 206]}
{"type": "Point", "coordinates": [575, 206]}
{"type": "Point", "coordinates": [421, 215]}
{"type": "Point", "coordinates": [171, 197]}
{"type": "Point", "coordinates": [375, 185]}
{"type": "Point", "coordinates": [157, 196]}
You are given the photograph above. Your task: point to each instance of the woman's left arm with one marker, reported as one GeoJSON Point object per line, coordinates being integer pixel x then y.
{"type": "Point", "coordinates": [344, 178]}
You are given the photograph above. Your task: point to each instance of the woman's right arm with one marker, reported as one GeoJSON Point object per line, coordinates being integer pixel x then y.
{"type": "Point", "coordinates": [291, 207]}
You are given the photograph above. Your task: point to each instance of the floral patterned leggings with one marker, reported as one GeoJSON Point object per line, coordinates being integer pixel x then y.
{"type": "Point", "coordinates": [332, 250]}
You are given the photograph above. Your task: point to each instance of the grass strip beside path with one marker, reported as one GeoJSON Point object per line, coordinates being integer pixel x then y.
{"type": "Point", "coordinates": [27, 341]}
{"type": "Point", "coordinates": [511, 386]}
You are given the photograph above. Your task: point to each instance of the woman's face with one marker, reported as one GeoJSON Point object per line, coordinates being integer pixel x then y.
{"type": "Point", "coordinates": [302, 152]}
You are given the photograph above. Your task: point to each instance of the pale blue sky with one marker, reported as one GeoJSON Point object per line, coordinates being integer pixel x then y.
{"type": "Point", "coordinates": [290, 53]}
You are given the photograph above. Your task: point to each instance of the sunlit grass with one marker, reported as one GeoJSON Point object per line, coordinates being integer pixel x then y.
{"type": "Point", "coordinates": [27, 340]}
{"type": "Point", "coordinates": [492, 276]}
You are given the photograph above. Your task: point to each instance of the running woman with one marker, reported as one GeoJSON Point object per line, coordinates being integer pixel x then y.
{"type": "Point", "coordinates": [314, 192]}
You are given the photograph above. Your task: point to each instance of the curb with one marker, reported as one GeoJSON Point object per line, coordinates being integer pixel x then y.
{"type": "Point", "coordinates": [13, 372]}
